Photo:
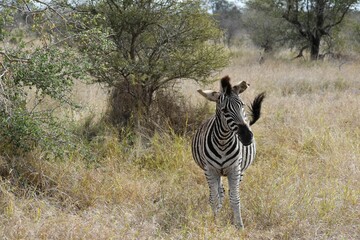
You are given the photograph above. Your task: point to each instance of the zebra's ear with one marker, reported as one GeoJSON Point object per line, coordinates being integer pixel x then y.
{"type": "Point", "coordinates": [209, 94]}
{"type": "Point", "coordinates": [240, 87]}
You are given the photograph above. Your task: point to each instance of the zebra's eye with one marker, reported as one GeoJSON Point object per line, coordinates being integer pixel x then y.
{"type": "Point", "coordinates": [225, 110]}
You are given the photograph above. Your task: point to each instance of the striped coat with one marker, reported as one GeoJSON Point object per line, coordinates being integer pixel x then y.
{"type": "Point", "coordinates": [224, 144]}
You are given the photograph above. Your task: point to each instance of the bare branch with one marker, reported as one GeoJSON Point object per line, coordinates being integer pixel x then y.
{"type": "Point", "coordinates": [13, 58]}
{"type": "Point", "coordinates": [301, 52]}
{"type": "Point", "coordinates": [6, 56]}
{"type": "Point", "coordinates": [51, 8]}
{"type": "Point", "coordinates": [3, 73]}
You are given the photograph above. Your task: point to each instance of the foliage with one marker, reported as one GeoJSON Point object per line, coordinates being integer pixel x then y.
{"type": "Point", "coordinates": [23, 131]}
{"type": "Point", "coordinates": [51, 71]}
{"type": "Point", "coordinates": [269, 32]}
{"type": "Point", "coordinates": [1, 31]}
{"type": "Point", "coordinates": [32, 65]}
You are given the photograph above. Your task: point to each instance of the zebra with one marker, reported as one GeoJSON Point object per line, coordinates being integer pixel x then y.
{"type": "Point", "coordinates": [224, 144]}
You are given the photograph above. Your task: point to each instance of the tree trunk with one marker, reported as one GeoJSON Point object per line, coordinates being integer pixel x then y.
{"type": "Point", "coordinates": [315, 48]}
{"type": "Point", "coordinates": [129, 103]}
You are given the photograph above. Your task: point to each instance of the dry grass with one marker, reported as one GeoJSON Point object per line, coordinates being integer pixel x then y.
{"type": "Point", "coordinates": [305, 183]}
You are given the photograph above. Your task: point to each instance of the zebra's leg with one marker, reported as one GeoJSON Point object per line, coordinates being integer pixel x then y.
{"type": "Point", "coordinates": [234, 181]}
{"type": "Point", "coordinates": [221, 193]}
{"type": "Point", "coordinates": [214, 181]}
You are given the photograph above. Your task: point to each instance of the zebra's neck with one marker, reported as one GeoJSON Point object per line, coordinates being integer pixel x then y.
{"type": "Point", "coordinates": [222, 130]}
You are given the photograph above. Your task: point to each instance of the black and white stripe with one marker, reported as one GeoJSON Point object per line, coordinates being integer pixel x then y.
{"type": "Point", "coordinates": [224, 144]}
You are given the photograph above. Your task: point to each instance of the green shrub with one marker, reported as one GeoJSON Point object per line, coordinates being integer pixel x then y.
{"type": "Point", "coordinates": [50, 72]}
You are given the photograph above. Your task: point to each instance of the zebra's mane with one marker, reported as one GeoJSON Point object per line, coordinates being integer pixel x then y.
{"type": "Point", "coordinates": [225, 85]}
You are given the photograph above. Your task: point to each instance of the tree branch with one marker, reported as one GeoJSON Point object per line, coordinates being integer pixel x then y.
{"type": "Point", "coordinates": [329, 26]}
{"type": "Point", "coordinates": [294, 20]}
{"type": "Point", "coordinates": [51, 8]}
{"type": "Point", "coordinates": [298, 25]}
{"type": "Point", "coordinates": [301, 52]}
{"type": "Point", "coordinates": [13, 58]}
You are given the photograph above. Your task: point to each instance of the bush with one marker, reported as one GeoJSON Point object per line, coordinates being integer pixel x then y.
{"type": "Point", "coordinates": [50, 72]}
{"type": "Point", "coordinates": [170, 112]}
{"type": "Point", "coordinates": [23, 131]}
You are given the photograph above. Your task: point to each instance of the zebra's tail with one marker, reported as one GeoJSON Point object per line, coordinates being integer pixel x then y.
{"type": "Point", "coordinates": [255, 108]}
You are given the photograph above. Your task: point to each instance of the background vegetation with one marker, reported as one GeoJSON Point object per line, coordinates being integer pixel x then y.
{"type": "Point", "coordinates": [70, 169]}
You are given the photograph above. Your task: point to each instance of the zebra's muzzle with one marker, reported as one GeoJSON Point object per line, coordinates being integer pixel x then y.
{"type": "Point", "coordinates": [245, 135]}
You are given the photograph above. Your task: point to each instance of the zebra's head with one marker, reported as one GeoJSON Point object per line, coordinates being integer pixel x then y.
{"type": "Point", "coordinates": [230, 108]}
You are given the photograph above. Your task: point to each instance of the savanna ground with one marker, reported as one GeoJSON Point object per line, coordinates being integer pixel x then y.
{"type": "Point", "coordinates": [304, 184]}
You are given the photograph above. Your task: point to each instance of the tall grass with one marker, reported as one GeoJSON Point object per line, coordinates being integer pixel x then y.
{"type": "Point", "coordinates": [304, 184]}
